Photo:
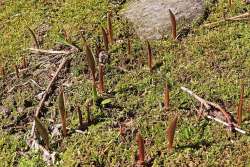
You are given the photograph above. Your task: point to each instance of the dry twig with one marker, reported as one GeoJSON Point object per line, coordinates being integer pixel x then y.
{"type": "Point", "coordinates": [41, 103]}
{"type": "Point", "coordinates": [49, 51]}
{"type": "Point", "coordinates": [208, 105]}
{"type": "Point", "coordinates": [245, 16]}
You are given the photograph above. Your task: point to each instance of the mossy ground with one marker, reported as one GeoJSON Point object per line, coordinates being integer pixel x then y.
{"type": "Point", "coordinates": [209, 61]}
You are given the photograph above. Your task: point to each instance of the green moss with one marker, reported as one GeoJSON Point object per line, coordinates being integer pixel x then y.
{"type": "Point", "coordinates": [210, 61]}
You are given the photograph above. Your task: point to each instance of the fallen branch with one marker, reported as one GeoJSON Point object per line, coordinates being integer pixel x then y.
{"type": "Point", "coordinates": [245, 16]}
{"type": "Point", "coordinates": [208, 105]}
{"type": "Point", "coordinates": [203, 102]}
{"type": "Point", "coordinates": [226, 124]}
{"type": "Point", "coordinates": [49, 51]}
{"type": "Point", "coordinates": [41, 103]}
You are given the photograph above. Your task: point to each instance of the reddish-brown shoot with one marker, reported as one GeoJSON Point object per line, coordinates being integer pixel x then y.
{"type": "Point", "coordinates": [110, 28]}
{"type": "Point", "coordinates": [61, 106]}
{"type": "Point", "coordinates": [141, 150]}
{"type": "Point", "coordinates": [240, 106]}
{"type": "Point", "coordinates": [171, 132]}
{"type": "Point", "coordinates": [105, 39]}
{"type": "Point", "coordinates": [173, 23]}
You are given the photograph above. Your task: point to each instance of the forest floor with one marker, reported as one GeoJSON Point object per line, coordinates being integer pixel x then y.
{"type": "Point", "coordinates": [211, 61]}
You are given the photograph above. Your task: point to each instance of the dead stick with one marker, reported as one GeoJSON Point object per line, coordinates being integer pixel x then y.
{"type": "Point", "coordinates": [226, 124]}
{"type": "Point", "coordinates": [47, 92]}
{"type": "Point", "coordinates": [227, 116]}
{"type": "Point", "coordinates": [234, 18]}
{"type": "Point", "coordinates": [49, 51]}
{"type": "Point", "coordinates": [208, 104]}
{"type": "Point", "coordinates": [204, 102]}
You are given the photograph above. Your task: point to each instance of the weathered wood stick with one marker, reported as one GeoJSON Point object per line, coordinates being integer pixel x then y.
{"type": "Point", "coordinates": [226, 124]}
{"type": "Point", "coordinates": [244, 16]}
{"type": "Point", "coordinates": [41, 103]}
{"type": "Point", "coordinates": [49, 51]}
{"type": "Point", "coordinates": [208, 105]}
{"type": "Point", "coordinates": [204, 102]}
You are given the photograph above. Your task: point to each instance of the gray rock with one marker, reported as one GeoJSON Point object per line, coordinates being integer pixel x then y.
{"type": "Point", "coordinates": [151, 17]}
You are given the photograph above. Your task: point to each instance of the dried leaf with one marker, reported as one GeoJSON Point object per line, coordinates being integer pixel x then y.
{"type": "Point", "coordinates": [42, 131]}
{"type": "Point", "coordinates": [141, 150]}
{"type": "Point", "coordinates": [101, 78]}
{"type": "Point", "coordinates": [105, 39]}
{"type": "Point", "coordinates": [240, 106]}
{"type": "Point", "coordinates": [62, 111]}
{"type": "Point", "coordinates": [110, 28]}
{"type": "Point", "coordinates": [173, 23]}
{"type": "Point", "coordinates": [149, 57]}
{"type": "Point", "coordinates": [166, 98]}
{"type": "Point", "coordinates": [171, 132]}
{"type": "Point", "coordinates": [90, 61]}
{"type": "Point", "coordinates": [34, 37]}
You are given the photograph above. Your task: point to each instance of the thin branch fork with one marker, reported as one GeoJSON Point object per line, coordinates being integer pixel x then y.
{"type": "Point", "coordinates": [41, 103]}
{"type": "Point", "coordinates": [208, 106]}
